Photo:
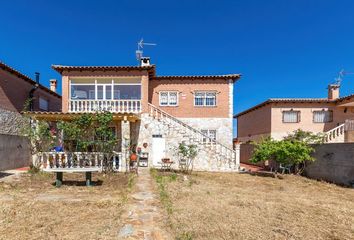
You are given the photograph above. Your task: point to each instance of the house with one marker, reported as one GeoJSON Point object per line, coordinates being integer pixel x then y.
{"type": "Point", "coordinates": [277, 117]}
{"type": "Point", "coordinates": [16, 91]}
{"type": "Point", "coordinates": [156, 113]}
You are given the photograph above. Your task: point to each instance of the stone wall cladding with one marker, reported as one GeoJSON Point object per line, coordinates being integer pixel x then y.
{"type": "Point", "coordinates": [207, 159]}
{"type": "Point", "coordinates": [11, 122]}
{"type": "Point", "coordinates": [223, 127]}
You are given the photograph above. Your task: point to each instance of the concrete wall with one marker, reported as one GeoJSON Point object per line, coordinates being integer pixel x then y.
{"type": "Point", "coordinates": [14, 152]}
{"type": "Point", "coordinates": [334, 163]}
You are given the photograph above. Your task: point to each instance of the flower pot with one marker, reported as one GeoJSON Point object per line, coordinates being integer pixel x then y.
{"type": "Point", "coordinates": [133, 157]}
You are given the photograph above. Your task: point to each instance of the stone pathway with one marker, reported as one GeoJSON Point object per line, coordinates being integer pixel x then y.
{"type": "Point", "coordinates": [143, 217]}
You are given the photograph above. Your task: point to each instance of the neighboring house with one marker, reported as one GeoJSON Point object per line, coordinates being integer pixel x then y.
{"type": "Point", "coordinates": [15, 90]}
{"type": "Point", "coordinates": [277, 117]}
{"type": "Point", "coordinates": [156, 112]}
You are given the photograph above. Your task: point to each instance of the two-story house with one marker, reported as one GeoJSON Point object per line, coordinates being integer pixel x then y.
{"type": "Point", "coordinates": [17, 92]}
{"type": "Point", "coordinates": [277, 117]}
{"type": "Point", "coordinates": [157, 112]}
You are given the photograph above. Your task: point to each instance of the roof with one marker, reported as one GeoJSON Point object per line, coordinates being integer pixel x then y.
{"type": "Point", "coordinates": [70, 115]}
{"type": "Point", "coordinates": [345, 98]}
{"type": "Point", "coordinates": [11, 70]}
{"type": "Point", "coordinates": [225, 76]}
{"type": "Point", "coordinates": [151, 69]}
{"type": "Point", "coordinates": [61, 68]}
{"type": "Point", "coordinates": [286, 100]}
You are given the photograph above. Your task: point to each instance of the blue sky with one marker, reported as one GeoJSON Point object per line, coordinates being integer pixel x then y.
{"type": "Point", "coordinates": [282, 48]}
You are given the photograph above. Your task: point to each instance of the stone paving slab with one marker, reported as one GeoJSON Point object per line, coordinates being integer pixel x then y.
{"type": "Point", "coordinates": [143, 216]}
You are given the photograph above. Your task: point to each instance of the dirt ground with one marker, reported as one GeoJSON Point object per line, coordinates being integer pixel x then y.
{"type": "Point", "coordinates": [241, 206]}
{"type": "Point", "coordinates": [32, 208]}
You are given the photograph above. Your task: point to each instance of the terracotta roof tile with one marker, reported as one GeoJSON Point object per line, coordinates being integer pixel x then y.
{"type": "Point", "coordinates": [286, 100]}
{"type": "Point", "coordinates": [61, 68]}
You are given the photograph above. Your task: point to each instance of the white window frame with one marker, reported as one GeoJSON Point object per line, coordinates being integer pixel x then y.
{"type": "Point", "coordinates": [205, 93]}
{"type": "Point", "coordinates": [208, 133]}
{"type": "Point", "coordinates": [97, 83]}
{"type": "Point", "coordinates": [45, 102]}
{"type": "Point", "coordinates": [168, 99]}
{"type": "Point", "coordinates": [326, 120]}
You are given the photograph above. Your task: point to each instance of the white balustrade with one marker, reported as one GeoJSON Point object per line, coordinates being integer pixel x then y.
{"type": "Point", "coordinates": [72, 160]}
{"type": "Point", "coordinates": [115, 106]}
{"type": "Point", "coordinates": [334, 134]}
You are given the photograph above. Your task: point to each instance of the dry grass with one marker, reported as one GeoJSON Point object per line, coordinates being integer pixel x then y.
{"type": "Point", "coordinates": [240, 206]}
{"type": "Point", "coordinates": [33, 208]}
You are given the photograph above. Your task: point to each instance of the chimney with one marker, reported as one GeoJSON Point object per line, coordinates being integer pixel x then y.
{"type": "Point", "coordinates": [144, 61]}
{"type": "Point", "coordinates": [333, 91]}
{"type": "Point", "coordinates": [37, 77]}
{"type": "Point", "coordinates": [53, 85]}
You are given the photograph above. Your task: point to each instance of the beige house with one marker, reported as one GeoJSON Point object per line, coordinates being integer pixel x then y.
{"type": "Point", "coordinates": [156, 113]}
{"type": "Point", "coordinates": [277, 117]}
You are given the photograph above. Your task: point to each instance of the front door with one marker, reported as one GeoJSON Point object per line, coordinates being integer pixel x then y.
{"type": "Point", "coordinates": [158, 149]}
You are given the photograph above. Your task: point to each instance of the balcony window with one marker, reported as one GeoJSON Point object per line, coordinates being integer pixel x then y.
{"type": "Point", "coordinates": [322, 116]}
{"type": "Point", "coordinates": [206, 99]}
{"type": "Point", "coordinates": [105, 91]}
{"type": "Point", "coordinates": [82, 92]}
{"type": "Point", "coordinates": [127, 92]}
{"type": "Point", "coordinates": [291, 116]}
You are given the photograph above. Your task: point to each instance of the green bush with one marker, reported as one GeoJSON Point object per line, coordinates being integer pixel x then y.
{"type": "Point", "coordinates": [295, 149]}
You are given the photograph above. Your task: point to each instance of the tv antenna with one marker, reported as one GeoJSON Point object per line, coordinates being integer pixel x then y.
{"type": "Point", "coordinates": [139, 51]}
{"type": "Point", "coordinates": [341, 74]}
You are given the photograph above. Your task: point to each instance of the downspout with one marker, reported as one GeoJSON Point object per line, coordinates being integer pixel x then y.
{"type": "Point", "coordinates": [31, 92]}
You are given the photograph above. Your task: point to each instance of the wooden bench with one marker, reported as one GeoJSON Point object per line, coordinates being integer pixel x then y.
{"type": "Point", "coordinates": [60, 171]}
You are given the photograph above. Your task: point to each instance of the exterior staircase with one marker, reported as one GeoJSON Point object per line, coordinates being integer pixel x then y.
{"type": "Point", "coordinates": [212, 155]}
{"type": "Point", "coordinates": [335, 135]}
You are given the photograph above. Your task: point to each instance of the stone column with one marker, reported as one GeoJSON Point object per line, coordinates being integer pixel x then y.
{"type": "Point", "coordinates": [237, 157]}
{"type": "Point", "coordinates": [125, 130]}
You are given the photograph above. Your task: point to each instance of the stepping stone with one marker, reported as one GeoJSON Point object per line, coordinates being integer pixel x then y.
{"type": "Point", "coordinates": [126, 231]}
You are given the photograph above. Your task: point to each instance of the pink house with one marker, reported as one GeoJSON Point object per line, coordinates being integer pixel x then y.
{"type": "Point", "coordinates": [156, 112]}
{"type": "Point", "coordinates": [277, 117]}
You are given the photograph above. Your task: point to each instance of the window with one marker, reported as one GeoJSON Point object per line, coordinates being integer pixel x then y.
{"type": "Point", "coordinates": [43, 104]}
{"type": "Point", "coordinates": [83, 92]}
{"type": "Point", "coordinates": [169, 98]}
{"type": "Point", "coordinates": [322, 116]}
{"type": "Point", "coordinates": [211, 134]}
{"type": "Point", "coordinates": [205, 99]}
{"type": "Point", "coordinates": [291, 116]}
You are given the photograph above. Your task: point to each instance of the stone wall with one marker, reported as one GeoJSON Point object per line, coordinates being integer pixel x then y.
{"type": "Point", "coordinates": [334, 163]}
{"type": "Point", "coordinates": [14, 152]}
{"type": "Point", "coordinates": [206, 160]}
{"type": "Point", "coordinates": [223, 127]}
{"type": "Point", "coordinates": [10, 122]}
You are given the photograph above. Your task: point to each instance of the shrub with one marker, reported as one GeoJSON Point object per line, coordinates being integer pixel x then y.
{"type": "Point", "coordinates": [295, 149]}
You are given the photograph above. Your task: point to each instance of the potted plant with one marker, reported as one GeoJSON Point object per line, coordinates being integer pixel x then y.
{"type": "Point", "coordinates": [133, 156]}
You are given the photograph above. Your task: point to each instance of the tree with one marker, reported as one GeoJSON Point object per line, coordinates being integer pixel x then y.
{"type": "Point", "coordinates": [187, 153]}
{"type": "Point", "coordinates": [90, 132]}
{"type": "Point", "coordinates": [294, 150]}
